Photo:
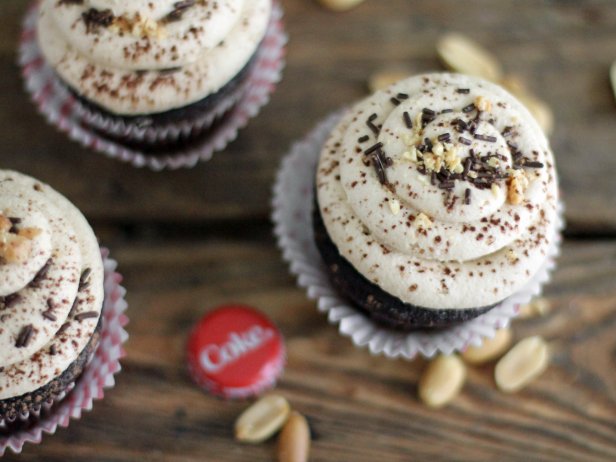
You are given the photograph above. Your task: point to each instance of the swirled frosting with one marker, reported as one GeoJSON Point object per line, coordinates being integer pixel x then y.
{"type": "Point", "coordinates": [141, 56]}
{"type": "Point", "coordinates": [51, 284]}
{"type": "Point", "coordinates": [441, 190]}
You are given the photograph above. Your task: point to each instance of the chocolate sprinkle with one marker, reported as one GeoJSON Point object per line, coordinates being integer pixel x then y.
{"type": "Point", "coordinates": [402, 96]}
{"type": "Point", "coordinates": [380, 161]}
{"type": "Point", "coordinates": [363, 139]}
{"type": "Point", "coordinates": [448, 185]}
{"type": "Point", "coordinates": [94, 19]}
{"type": "Point", "coordinates": [445, 137]}
{"type": "Point", "coordinates": [428, 144]}
{"type": "Point", "coordinates": [470, 108]}
{"type": "Point", "coordinates": [371, 126]}
{"type": "Point", "coordinates": [373, 148]}
{"type": "Point", "coordinates": [407, 119]}
{"type": "Point", "coordinates": [463, 91]}
{"type": "Point", "coordinates": [468, 163]}
{"type": "Point", "coordinates": [63, 328]}
{"type": "Point", "coordinates": [86, 315]}
{"type": "Point", "coordinates": [380, 168]}
{"type": "Point", "coordinates": [488, 138]}
{"type": "Point", "coordinates": [460, 125]}
{"type": "Point", "coordinates": [49, 315]}
{"type": "Point", "coordinates": [169, 70]}
{"type": "Point", "coordinates": [24, 337]}
{"type": "Point", "coordinates": [74, 306]}
{"type": "Point", "coordinates": [179, 8]}
{"type": "Point", "coordinates": [532, 164]}
{"type": "Point", "coordinates": [464, 141]}
{"type": "Point", "coordinates": [394, 101]}
{"type": "Point", "coordinates": [84, 279]}
{"type": "Point", "coordinates": [41, 274]}
{"type": "Point", "coordinates": [467, 196]}
{"type": "Point", "coordinates": [428, 115]}
{"type": "Point", "coordinates": [9, 301]}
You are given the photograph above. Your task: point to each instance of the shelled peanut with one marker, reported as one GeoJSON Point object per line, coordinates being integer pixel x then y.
{"type": "Point", "coordinates": [340, 5]}
{"type": "Point", "coordinates": [270, 415]}
{"type": "Point", "coordinates": [444, 377]}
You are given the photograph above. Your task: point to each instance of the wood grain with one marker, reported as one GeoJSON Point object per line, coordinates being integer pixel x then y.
{"type": "Point", "coordinates": [561, 49]}
{"type": "Point", "coordinates": [361, 408]}
{"type": "Point", "coordinates": [188, 241]}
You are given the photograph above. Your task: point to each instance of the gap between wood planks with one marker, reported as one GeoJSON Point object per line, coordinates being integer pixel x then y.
{"type": "Point", "coordinates": [257, 228]}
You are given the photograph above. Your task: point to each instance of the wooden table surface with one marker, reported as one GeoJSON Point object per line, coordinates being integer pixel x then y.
{"type": "Point", "coordinates": [190, 240]}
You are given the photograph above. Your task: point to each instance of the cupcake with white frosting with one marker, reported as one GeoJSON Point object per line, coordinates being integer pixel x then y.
{"type": "Point", "coordinates": [436, 201]}
{"type": "Point", "coordinates": [51, 297]}
{"type": "Point", "coordinates": [169, 68]}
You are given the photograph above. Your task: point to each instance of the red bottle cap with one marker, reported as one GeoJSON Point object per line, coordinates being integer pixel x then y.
{"type": "Point", "coordinates": [235, 352]}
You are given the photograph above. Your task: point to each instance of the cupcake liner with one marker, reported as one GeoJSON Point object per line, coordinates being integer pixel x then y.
{"type": "Point", "coordinates": [97, 376]}
{"type": "Point", "coordinates": [292, 205]}
{"type": "Point", "coordinates": [35, 413]}
{"type": "Point", "coordinates": [82, 124]}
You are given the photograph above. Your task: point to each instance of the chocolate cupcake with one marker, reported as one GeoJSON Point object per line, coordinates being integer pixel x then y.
{"type": "Point", "coordinates": [151, 74]}
{"type": "Point", "coordinates": [51, 298]}
{"type": "Point", "coordinates": [436, 201]}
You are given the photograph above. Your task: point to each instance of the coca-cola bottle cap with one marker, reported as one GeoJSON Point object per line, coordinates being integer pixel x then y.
{"type": "Point", "coordinates": [235, 351]}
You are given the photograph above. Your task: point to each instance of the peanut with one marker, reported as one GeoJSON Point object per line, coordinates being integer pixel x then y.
{"type": "Point", "coordinates": [340, 5]}
{"type": "Point", "coordinates": [516, 187]}
{"type": "Point", "coordinates": [5, 224]}
{"type": "Point", "coordinates": [461, 54]}
{"type": "Point", "coordinates": [294, 439]}
{"type": "Point", "coordinates": [261, 420]}
{"type": "Point", "coordinates": [523, 363]}
{"type": "Point", "coordinates": [442, 381]}
{"type": "Point", "coordinates": [490, 349]}
{"type": "Point", "coordinates": [537, 307]}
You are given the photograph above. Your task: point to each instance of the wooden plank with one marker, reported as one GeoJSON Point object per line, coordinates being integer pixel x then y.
{"type": "Point", "coordinates": [360, 407]}
{"type": "Point", "coordinates": [562, 50]}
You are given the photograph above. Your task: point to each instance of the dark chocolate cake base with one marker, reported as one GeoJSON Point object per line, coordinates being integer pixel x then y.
{"type": "Point", "coordinates": [384, 308]}
{"type": "Point", "coordinates": [20, 412]}
{"type": "Point", "coordinates": [162, 120]}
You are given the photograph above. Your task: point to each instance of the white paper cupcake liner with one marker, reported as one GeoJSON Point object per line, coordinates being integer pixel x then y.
{"type": "Point", "coordinates": [292, 206]}
{"type": "Point", "coordinates": [61, 109]}
{"type": "Point", "coordinates": [97, 376]}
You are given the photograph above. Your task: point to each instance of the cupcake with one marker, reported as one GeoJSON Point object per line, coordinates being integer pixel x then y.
{"type": "Point", "coordinates": [153, 75]}
{"type": "Point", "coordinates": [51, 299]}
{"type": "Point", "coordinates": [436, 201]}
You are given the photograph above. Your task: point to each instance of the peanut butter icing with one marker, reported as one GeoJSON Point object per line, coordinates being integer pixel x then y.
{"type": "Point", "coordinates": [51, 284]}
{"type": "Point", "coordinates": [141, 56]}
{"type": "Point", "coordinates": [441, 190]}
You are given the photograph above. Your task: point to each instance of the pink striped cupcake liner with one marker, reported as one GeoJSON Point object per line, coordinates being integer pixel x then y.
{"type": "Point", "coordinates": [87, 127]}
{"type": "Point", "coordinates": [292, 205]}
{"type": "Point", "coordinates": [97, 376]}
